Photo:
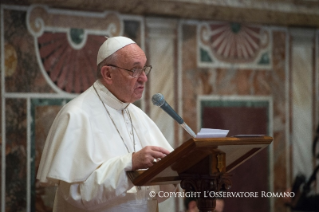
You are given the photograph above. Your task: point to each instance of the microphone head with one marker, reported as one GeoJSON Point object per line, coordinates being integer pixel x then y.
{"type": "Point", "coordinates": [158, 99]}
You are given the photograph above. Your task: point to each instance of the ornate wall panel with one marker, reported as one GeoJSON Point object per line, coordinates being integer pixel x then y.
{"type": "Point", "coordinates": [66, 45]}
{"type": "Point", "coordinates": [209, 68]}
{"type": "Point", "coordinates": [223, 44]}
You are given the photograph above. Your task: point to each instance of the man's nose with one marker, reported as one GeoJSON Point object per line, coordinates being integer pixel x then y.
{"type": "Point", "coordinates": [142, 77]}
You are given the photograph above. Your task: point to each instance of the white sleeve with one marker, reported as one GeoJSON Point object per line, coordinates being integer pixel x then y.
{"type": "Point", "coordinates": [107, 183]}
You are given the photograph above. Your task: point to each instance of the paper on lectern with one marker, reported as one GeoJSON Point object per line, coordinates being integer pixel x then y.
{"type": "Point", "coordinates": [211, 133]}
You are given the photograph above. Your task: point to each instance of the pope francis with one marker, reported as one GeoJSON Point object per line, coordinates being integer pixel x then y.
{"type": "Point", "coordinates": [100, 135]}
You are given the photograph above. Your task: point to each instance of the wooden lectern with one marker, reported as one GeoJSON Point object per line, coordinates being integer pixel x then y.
{"type": "Point", "coordinates": [202, 165]}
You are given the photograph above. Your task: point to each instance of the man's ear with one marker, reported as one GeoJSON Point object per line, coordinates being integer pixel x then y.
{"type": "Point", "coordinates": [106, 74]}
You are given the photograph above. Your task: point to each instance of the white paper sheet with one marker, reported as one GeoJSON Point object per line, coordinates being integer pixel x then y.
{"type": "Point", "coordinates": [211, 133]}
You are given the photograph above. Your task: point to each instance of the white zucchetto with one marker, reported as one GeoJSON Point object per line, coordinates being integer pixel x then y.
{"type": "Point", "coordinates": [111, 45]}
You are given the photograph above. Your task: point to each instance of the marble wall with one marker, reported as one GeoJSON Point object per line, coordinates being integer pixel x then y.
{"type": "Point", "coordinates": [254, 81]}
{"type": "Point", "coordinates": [48, 57]}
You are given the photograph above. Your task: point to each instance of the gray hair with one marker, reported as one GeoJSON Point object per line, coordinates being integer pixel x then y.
{"type": "Point", "coordinates": [110, 60]}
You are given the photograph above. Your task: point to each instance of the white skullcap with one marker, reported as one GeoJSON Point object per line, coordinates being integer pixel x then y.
{"type": "Point", "coordinates": [111, 45]}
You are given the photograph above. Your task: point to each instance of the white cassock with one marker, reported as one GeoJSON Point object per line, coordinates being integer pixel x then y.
{"type": "Point", "coordinates": [86, 157]}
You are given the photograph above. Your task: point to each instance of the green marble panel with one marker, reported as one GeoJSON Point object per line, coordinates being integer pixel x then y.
{"type": "Point", "coordinates": [43, 112]}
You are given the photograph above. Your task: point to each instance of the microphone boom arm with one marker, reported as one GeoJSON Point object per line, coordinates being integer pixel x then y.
{"type": "Point", "coordinates": [158, 100]}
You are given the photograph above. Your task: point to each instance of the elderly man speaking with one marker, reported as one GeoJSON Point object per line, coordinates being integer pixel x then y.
{"type": "Point", "coordinates": [100, 135]}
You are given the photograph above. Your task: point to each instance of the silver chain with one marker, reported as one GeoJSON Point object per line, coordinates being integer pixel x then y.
{"type": "Point", "coordinates": [128, 112]}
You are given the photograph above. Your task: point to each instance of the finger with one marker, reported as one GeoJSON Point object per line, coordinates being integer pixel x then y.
{"type": "Point", "coordinates": [160, 149]}
{"type": "Point", "coordinates": [140, 160]}
{"type": "Point", "coordinates": [149, 164]}
{"type": "Point", "coordinates": [157, 155]}
{"type": "Point", "coordinates": [149, 160]}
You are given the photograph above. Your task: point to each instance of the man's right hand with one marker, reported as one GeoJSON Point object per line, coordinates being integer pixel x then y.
{"type": "Point", "coordinates": [144, 158]}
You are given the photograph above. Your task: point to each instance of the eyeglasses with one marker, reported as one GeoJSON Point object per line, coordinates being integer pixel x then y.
{"type": "Point", "coordinates": [136, 72]}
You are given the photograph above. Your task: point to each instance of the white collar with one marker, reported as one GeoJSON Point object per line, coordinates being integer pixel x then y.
{"type": "Point", "coordinates": [108, 98]}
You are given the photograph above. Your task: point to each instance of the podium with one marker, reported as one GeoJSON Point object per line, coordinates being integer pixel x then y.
{"type": "Point", "coordinates": [202, 165]}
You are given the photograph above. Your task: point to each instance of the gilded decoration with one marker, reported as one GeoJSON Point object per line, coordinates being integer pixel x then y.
{"type": "Point", "coordinates": [10, 60]}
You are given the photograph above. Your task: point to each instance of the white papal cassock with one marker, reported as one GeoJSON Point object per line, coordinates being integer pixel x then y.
{"type": "Point", "coordinates": [86, 157]}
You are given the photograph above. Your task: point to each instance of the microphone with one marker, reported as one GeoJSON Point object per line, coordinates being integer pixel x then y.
{"type": "Point", "coordinates": [158, 100]}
